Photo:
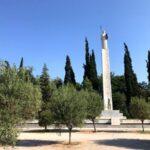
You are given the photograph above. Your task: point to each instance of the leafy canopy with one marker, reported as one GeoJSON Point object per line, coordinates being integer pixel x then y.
{"type": "Point", "coordinates": [19, 100]}
{"type": "Point", "coordinates": [68, 106]}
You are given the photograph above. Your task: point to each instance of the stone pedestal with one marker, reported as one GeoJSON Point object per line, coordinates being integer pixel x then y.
{"type": "Point", "coordinates": [114, 115]}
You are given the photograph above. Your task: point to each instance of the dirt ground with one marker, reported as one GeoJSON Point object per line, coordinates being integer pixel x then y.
{"type": "Point", "coordinates": [84, 140]}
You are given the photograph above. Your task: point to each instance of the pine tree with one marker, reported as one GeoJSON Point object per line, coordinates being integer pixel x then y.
{"type": "Point", "coordinates": [69, 73]}
{"type": "Point", "coordinates": [148, 66]}
{"type": "Point", "coordinates": [21, 63]}
{"type": "Point", "coordinates": [132, 88]}
{"type": "Point", "coordinates": [87, 61]}
{"type": "Point", "coordinates": [45, 84]}
{"type": "Point", "coordinates": [44, 114]}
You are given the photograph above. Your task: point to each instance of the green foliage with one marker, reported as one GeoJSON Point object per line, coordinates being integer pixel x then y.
{"type": "Point", "coordinates": [118, 83]}
{"type": "Point", "coordinates": [45, 118]}
{"type": "Point", "coordinates": [7, 64]}
{"type": "Point", "coordinates": [8, 134]}
{"type": "Point", "coordinates": [78, 86]}
{"type": "Point", "coordinates": [140, 109]}
{"type": "Point", "coordinates": [87, 61]}
{"type": "Point", "coordinates": [26, 74]}
{"type": "Point", "coordinates": [47, 89]}
{"type": "Point", "coordinates": [87, 85]}
{"type": "Point", "coordinates": [94, 106]}
{"type": "Point", "coordinates": [69, 73]}
{"type": "Point", "coordinates": [132, 88]}
{"type": "Point", "coordinates": [100, 85]}
{"type": "Point", "coordinates": [58, 82]}
{"type": "Point", "coordinates": [19, 100]}
{"type": "Point", "coordinates": [4, 65]}
{"type": "Point", "coordinates": [30, 96]}
{"type": "Point", "coordinates": [90, 70]}
{"type": "Point", "coordinates": [93, 72]}
{"type": "Point", "coordinates": [21, 63]}
{"type": "Point", "coordinates": [148, 66]}
{"type": "Point", "coordinates": [45, 85]}
{"type": "Point", "coordinates": [144, 91]}
{"type": "Point", "coordinates": [94, 102]}
{"type": "Point", "coordinates": [29, 75]}
{"type": "Point", "coordinates": [119, 102]}
{"type": "Point", "coordinates": [68, 107]}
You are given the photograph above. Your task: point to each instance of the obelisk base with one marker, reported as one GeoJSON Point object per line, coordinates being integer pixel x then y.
{"type": "Point", "coordinates": [114, 115]}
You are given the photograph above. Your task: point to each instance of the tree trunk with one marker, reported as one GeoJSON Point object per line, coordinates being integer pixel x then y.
{"type": "Point", "coordinates": [45, 127]}
{"type": "Point", "coordinates": [70, 130]}
{"type": "Point", "coordinates": [93, 121]}
{"type": "Point", "coordinates": [60, 131]}
{"type": "Point", "coordinates": [70, 135]}
{"type": "Point", "coordinates": [143, 125]}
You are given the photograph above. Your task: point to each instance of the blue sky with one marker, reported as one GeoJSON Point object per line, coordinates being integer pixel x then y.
{"type": "Point", "coordinates": [45, 31]}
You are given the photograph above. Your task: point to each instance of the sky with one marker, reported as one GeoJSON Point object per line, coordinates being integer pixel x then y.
{"type": "Point", "coordinates": [45, 31]}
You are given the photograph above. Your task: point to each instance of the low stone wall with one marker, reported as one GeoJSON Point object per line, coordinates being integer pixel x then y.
{"type": "Point", "coordinates": [122, 121]}
{"type": "Point", "coordinates": [134, 121]}
{"type": "Point", "coordinates": [105, 121]}
{"type": "Point", "coordinates": [99, 121]}
{"type": "Point", "coordinates": [101, 125]}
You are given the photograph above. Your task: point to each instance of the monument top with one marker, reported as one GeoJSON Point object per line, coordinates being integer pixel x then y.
{"type": "Point", "coordinates": [104, 35]}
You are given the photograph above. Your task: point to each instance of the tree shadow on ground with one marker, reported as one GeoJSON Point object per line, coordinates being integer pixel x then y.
{"type": "Point", "coordinates": [32, 143]}
{"type": "Point", "coordinates": [126, 143]}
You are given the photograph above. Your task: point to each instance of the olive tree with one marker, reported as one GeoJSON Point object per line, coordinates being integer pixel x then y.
{"type": "Point", "coordinates": [68, 107]}
{"type": "Point", "coordinates": [94, 106]}
{"type": "Point", "coordinates": [140, 110]}
{"type": "Point", "coordinates": [94, 102]}
{"type": "Point", "coordinates": [19, 100]}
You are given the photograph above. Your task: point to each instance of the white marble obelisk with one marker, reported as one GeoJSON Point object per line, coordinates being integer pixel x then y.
{"type": "Point", "coordinates": [107, 90]}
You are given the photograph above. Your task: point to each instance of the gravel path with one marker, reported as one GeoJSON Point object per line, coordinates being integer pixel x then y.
{"type": "Point", "coordinates": [84, 140]}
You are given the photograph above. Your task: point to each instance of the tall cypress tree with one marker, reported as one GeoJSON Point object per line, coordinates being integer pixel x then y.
{"type": "Point", "coordinates": [148, 66]}
{"type": "Point", "coordinates": [94, 63]}
{"type": "Point", "coordinates": [132, 88]}
{"type": "Point", "coordinates": [21, 71]}
{"type": "Point", "coordinates": [90, 71]}
{"type": "Point", "coordinates": [44, 114]}
{"type": "Point", "coordinates": [87, 61]}
{"type": "Point", "coordinates": [69, 73]}
{"type": "Point", "coordinates": [93, 71]}
{"type": "Point", "coordinates": [21, 63]}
